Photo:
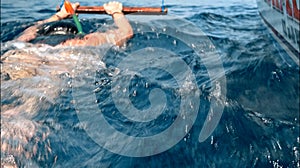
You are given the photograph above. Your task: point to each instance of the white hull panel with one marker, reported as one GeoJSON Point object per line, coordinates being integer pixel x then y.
{"type": "Point", "coordinates": [283, 19]}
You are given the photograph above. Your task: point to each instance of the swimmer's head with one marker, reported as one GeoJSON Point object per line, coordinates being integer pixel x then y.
{"type": "Point", "coordinates": [54, 33]}
{"type": "Point", "coordinates": [58, 28]}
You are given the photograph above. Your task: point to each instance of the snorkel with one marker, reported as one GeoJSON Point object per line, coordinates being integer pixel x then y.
{"type": "Point", "coordinates": [69, 9]}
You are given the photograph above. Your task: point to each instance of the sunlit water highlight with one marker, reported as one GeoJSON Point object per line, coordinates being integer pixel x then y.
{"type": "Point", "coordinates": [259, 126]}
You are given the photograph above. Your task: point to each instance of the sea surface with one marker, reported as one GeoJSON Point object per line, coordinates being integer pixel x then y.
{"type": "Point", "coordinates": [220, 91]}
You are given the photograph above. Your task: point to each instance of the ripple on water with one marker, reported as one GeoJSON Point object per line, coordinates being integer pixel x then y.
{"type": "Point", "coordinates": [259, 127]}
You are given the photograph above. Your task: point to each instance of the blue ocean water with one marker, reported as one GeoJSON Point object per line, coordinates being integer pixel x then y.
{"type": "Point", "coordinates": [41, 124]}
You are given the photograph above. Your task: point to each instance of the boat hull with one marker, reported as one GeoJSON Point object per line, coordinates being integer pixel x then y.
{"type": "Point", "coordinates": [282, 17]}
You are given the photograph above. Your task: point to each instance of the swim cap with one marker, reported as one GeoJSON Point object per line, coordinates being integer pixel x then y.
{"type": "Point", "coordinates": [60, 27]}
{"type": "Point", "coordinates": [54, 33]}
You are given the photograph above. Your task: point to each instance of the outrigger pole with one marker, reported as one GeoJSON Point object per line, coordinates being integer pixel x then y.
{"type": "Point", "coordinates": [126, 10]}
{"type": "Point", "coordinates": [100, 10]}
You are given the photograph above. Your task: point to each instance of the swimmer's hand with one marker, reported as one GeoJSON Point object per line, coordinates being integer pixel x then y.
{"type": "Point", "coordinates": [31, 32]}
{"type": "Point", "coordinates": [113, 7]}
{"type": "Point", "coordinates": [63, 14]}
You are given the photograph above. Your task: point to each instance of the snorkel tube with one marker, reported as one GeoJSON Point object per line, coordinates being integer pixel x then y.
{"type": "Point", "coordinates": [69, 9]}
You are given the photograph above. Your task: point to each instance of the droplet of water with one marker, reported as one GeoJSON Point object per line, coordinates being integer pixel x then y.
{"type": "Point", "coordinates": [96, 90]}
{"type": "Point", "coordinates": [186, 128]}
{"type": "Point", "coordinates": [134, 93]}
{"type": "Point", "coordinates": [174, 42]}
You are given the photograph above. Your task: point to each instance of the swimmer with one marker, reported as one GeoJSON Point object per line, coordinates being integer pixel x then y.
{"type": "Point", "coordinates": [23, 139]}
{"type": "Point", "coordinates": [11, 59]}
{"type": "Point", "coordinates": [117, 36]}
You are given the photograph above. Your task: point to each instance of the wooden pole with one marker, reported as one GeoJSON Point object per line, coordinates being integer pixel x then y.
{"type": "Point", "coordinates": [126, 10]}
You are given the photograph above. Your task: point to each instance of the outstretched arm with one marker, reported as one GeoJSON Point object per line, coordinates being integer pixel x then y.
{"type": "Point", "coordinates": [116, 36]}
{"type": "Point", "coordinates": [31, 32]}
